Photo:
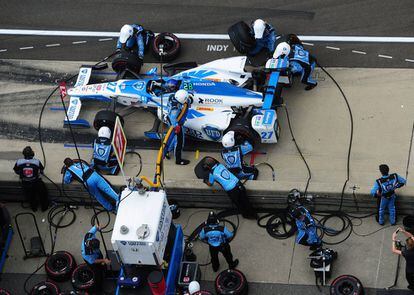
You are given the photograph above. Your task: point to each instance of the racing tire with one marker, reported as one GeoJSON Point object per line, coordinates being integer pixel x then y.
{"type": "Point", "coordinates": [231, 281]}
{"type": "Point", "coordinates": [60, 265]}
{"type": "Point", "coordinates": [346, 285]}
{"type": "Point", "coordinates": [126, 60]}
{"type": "Point", "coordinates": [171, 49]}
{"type": "Point", "coordinates": [4, 292]}
{"type": "Point", "coordinates": [83, 278]}
{"type": "Point", "coordinates": [243, 131]}
{"type": "Point", "coordinates": [45, 288]}
{"type": "Point", "coordinates": [106, 118]}
{"type": "Point", "coordinates": [241, 37]}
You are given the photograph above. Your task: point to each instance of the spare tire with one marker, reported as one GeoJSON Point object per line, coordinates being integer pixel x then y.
{"type": "Point", "coordinates": [4, 292]}
{"type": "Point", "coordinates": [243, 131]}
{"type": "Point", "coordinates": [126, 60]}
{"type": "Point", "coordinates": [83, 278]}
{"type": "Point", "coordinates": [231, 281]}
{"type": "Point", "coordinates": [171, 46]}
{"type": "Point", "coordinates": [60, 265]}
{"type": "Point", "coordinates": [106, 118]}
{"type": "Point", "coordinates": [346, 285]}
{"type": "Point", "coordinates": [45, 288]}
{"type": "Point", "coordinates": [241, 37]}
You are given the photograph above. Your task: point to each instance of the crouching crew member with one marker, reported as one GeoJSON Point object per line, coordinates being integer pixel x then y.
{"type": "Point", "coordinates": [176, 119]}
{"type": "Point", "coordinates": [232, 155]}
{"type": "Point", "coordinates": [34, 189]}
{"type": "Point", "coordinates": [131, 37]}
{"type": "Point", "coordinates": [92, 255]}
{"type": "Point", "coordinates": [265, 36]}
{"type": "Point", "coordinates": [302, 63]}
{"type": "Point", "coordinates": [218, 237]}
{"type": "Point", "coordinates": [307, 230]}
{"type": "Point", "coordinates": [103, 156]}
{"type": "Point", "coordinates": [384, 189]}
{"type": "Point", "coordinates": [95, 183]}
{"type": "Point", "coordinates": [231, 184]}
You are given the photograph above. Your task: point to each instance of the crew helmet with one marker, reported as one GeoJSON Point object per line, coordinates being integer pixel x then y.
{"type": "Point", "coordinates": [193, 287]}
{"type": "Point", "coordinates": [228, 139]}
{"type": "Point", "coordinates": [259, 27]}
{"type": "Point", "coordinates": [125, 33]}
{"type": "Point", "coordinates": [282, 48]}
{"type": "Point", "coordinates": [104, 132]}
{"type": "Point", "coordinates": [181, 96]}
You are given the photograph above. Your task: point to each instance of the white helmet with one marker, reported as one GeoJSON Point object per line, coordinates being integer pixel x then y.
{"type": "Point", "coordinates": [193, 287]}
{"type": "Point", "coordinates": [259, 27]}
{"type": "Point", "coordinates": [181, 96]}
{"type": "Point", "coordinates": [228, 139]}
{"type": "Point", "coordinates": [126, 33]}
{"type": "Point", "coordinates": [104, 132]}
{"type": "Point", "coordinates": [281, 49]}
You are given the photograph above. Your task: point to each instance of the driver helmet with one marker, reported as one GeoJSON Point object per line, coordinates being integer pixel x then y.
{"type": "Point", "coordinates": [104, 132]}
{"type": "Point", "coordinates": [193, 287]}
{"type": "Point", "coordinates": [282, 48]}
{"type": "Point", "coordinates": [259, 27]}
{"type": "Point", "coordinates": [181, 96]}
{"type": "Point", "coordinates": [171, 85]}
{"type": "Point", "coordinates": [125, 33]}
{"type": "Point", "coordinates": [228, 140]}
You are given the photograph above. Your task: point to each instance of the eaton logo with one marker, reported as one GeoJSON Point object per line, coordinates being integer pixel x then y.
{"type": "Point", "coordinates": [212, 132]}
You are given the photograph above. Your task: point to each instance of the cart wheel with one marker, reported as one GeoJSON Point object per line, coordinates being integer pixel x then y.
{"type": "Point", "coordinates": [231, 281]}
{"type": "Point", "coordinates": [45, 288]}
{"type": "Point", "coordinates": [59, 266]}
{"type": "Point", "coordinates": [83, 277]}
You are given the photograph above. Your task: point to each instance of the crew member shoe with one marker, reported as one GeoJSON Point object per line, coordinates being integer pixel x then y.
{"type": "Point", "coordinates": [182, 162]}
{"type": "Point", "coordinates": [234, 264]}
{"type": "Point", "coordinates": [309, 87]}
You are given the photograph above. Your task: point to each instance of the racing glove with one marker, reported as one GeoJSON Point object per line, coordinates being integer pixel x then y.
{"type": "Point", "coordinates": [177, 129]}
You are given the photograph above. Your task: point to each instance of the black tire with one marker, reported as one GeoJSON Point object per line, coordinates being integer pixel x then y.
{"type": "Point", "coordinates": [83, 278]}
{"type": "Point", "coordinates": [346, 285]}
{"type": "Point", "coordinates": [241, 37]}
{"type": "Point", "coordinates": [172, 46]}
{"type": "Point", "coordinates": [243, 131]}
{"type": "Point", "coordinates": [45, 288]}
{"type": "Point", "coordinates": [281, 226]}
{"type": "Point", "coordinates": [4, 292]}
{"type": "Point", "coordinates": [126, 60]}
{"type": "Point", "coordinates": [60, 265]}
{"type": "Point", "coordinates": [231, 281]}
{"type": "Point", "coordinates": [106, 118]}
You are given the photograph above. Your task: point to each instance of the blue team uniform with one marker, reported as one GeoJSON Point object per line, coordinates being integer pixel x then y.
{"type": "Point", "coordinates": [98, 186]}
{"type": "Point", "coordinates": [307, 230]}
{"type": "Point", "coordinates": [223, 176]}
{"type": "Point", "coordinates": [136, 42]}
{"type": "Point", "coordinates": [103, 157]}
{"type": "Point", "coordinates": [386, 186]}
{"type": "Point", "coordinates": [268, 41]}
{"type": "Point", "coordinates": [90, 255]}
{"type": "Point", "coordinates": [233, 158]}
{"type": "Point", "coordinates": [302, 63]}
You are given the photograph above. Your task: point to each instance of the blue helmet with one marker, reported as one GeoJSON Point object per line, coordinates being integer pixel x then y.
{"type": "Point", "coordinates": [172, 84]}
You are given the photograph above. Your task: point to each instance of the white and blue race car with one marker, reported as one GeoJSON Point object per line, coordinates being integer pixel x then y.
{"type": "Point", "coordinates": [223, 97]}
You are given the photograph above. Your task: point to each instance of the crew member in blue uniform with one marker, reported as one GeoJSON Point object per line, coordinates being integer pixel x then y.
{"type": "Point", "coordinates": [34, 189]}
{"type": "Point", "coordinates": [302, 63]}
{"type": "Point", "coordinates": [131, 37]}
{"type": "Point", "coordinates": [232, 155]}
{"type": "Point", "coordinates": [103, 156]}
{"type": "Point", "coordinates": [307, 231]}
{"type": "Point", "coordinates": [96, 184]}
{"type": "Point", "coordinates": [384, 189]}
{"type": "Point", "coordinates": [217, 238]}
{"type": "Point", "coordinates": [265, 36]}
{"type": "Point", "coordinates": [231, 184]}
{"type": "Point", "coordinates": [93, 257]}
{"type": "Point", "coordinates": [175, 106]}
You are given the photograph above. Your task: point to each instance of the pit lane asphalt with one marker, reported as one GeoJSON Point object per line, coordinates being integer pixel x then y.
{"type": "Point", "coordinates": [351, 18]}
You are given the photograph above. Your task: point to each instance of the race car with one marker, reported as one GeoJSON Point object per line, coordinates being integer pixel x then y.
{"type": "Point", "coordinates": [226, 96]}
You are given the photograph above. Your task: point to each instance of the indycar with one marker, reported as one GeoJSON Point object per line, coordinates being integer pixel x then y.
{"type": "Point", "coordinates": [226, 95]}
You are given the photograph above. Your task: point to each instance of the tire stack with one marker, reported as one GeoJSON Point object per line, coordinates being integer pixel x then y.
{"type": "Point", "coordinates": [59, 266]}
{"type": "Point", "coordinates": [83, 278]}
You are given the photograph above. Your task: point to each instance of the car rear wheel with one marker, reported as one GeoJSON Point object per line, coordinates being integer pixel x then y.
{"type": "Point", "coordinates": [170, 44]}
{"type": "Point", "coordinates": [243, 131]}
{"type": "Point", "coordinates": [106, 118]}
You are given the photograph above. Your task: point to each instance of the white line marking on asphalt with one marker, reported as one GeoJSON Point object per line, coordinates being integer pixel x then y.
{"type": "Point", "coordinates": [409, 60]}
{"type": "Point", "coordinates": [78, 42]}
{"type": "Point", "coordinates": [309, 44]}
{"type": "Point", "coordinates": [105, 39]}
{"type": "Point", "coordinates": [52, 45]}
{"type": "Point", "coordinates": [207, 36]}
{"type": "Point", "coordinates": [3, 50]}
{"type": "Point", "coordinates": [384, 56]}
{"type": "Point", "coordinates": [333, 48]}
{"type": "Point", "coordinates": [25, 48]}
{"type": "Point", "coordinates": [358, 52]}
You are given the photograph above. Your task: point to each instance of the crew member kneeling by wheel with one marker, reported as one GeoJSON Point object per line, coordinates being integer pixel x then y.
{"type": "Point", "coordinates": [92, 255]}
{"type": "Point", "coordinates": [103, 154]}
{"type": "Point", "coordinates": [408, 254]}
{"type": "Point", "coordinates": [29, 170]}
{"type": "Point", "coordinates": [231, 184]}
{"type": "Point", "coordinates": [217, 237]}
